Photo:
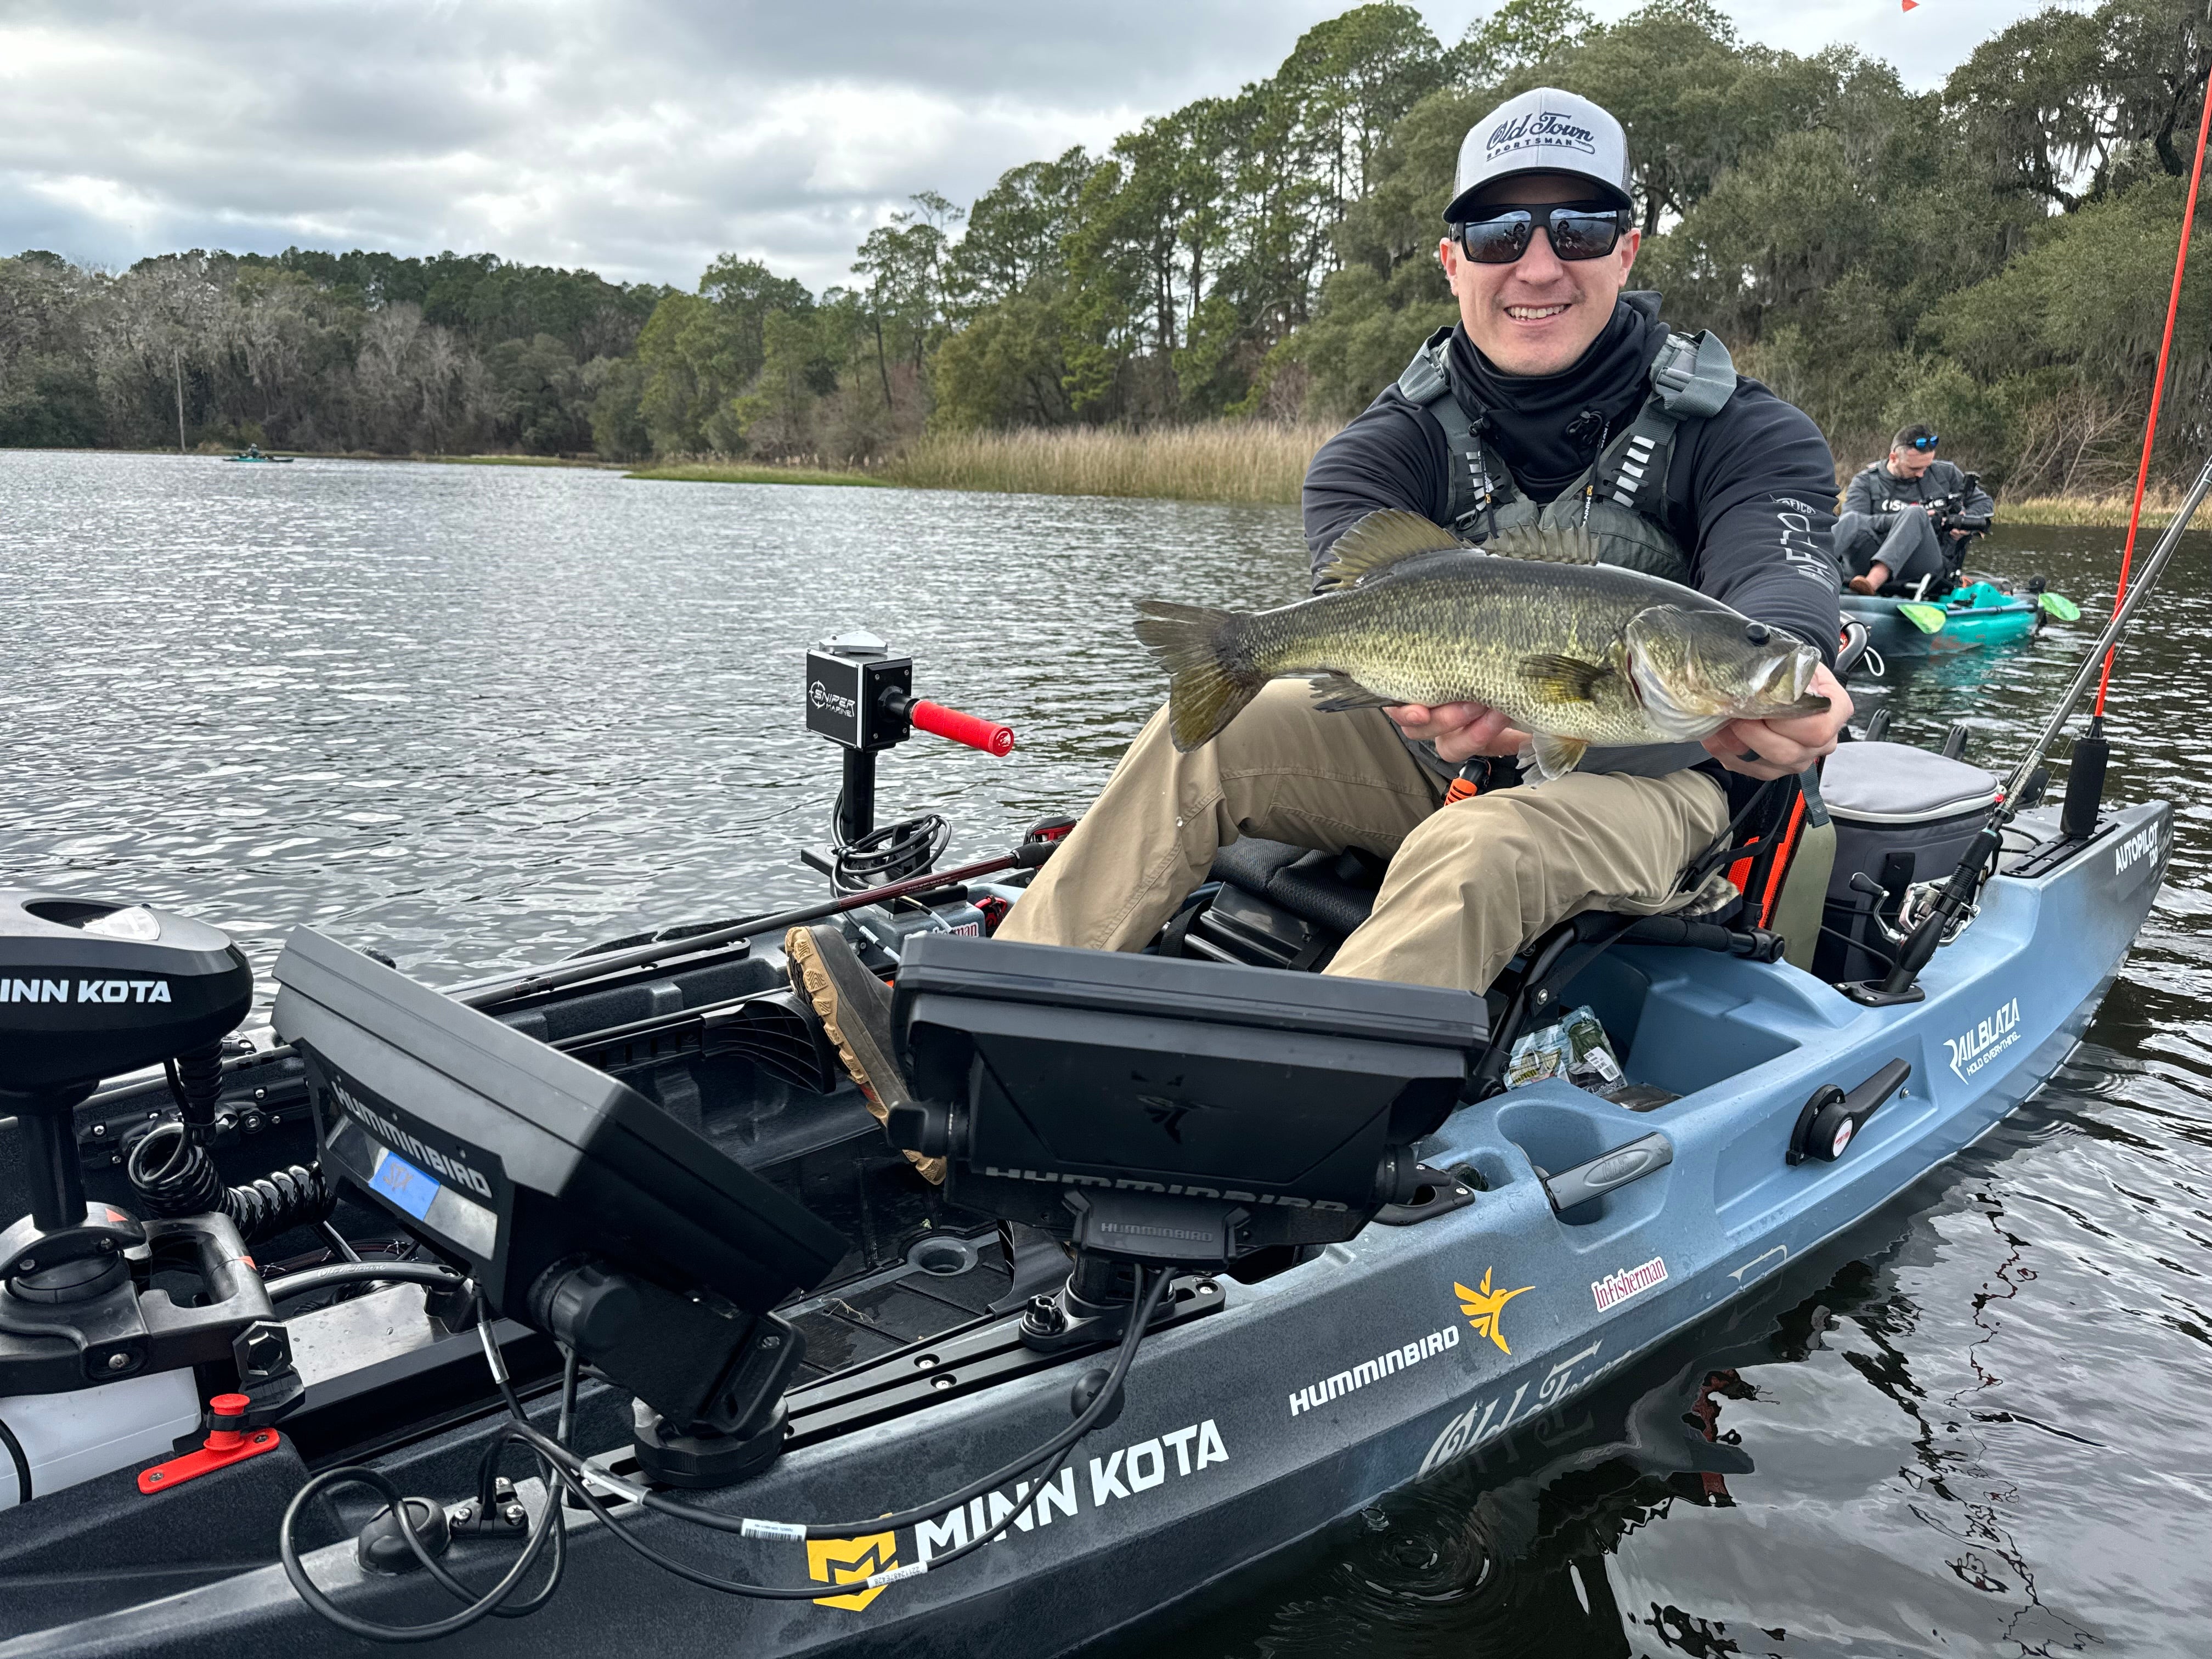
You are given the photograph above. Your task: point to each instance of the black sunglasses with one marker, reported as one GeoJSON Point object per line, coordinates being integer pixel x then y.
{"type": "Point", "coordinates": [1578, 230]}
{"type": "Point", "coordinates": [1927, 442]}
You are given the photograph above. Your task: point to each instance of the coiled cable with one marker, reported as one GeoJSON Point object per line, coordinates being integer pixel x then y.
{"type": "Point", "coordinates": [173, 1175]}
{"type": "Point", "coordinates": [171, 1171]}
{"type": "Point", "coordinates": [883, 855]}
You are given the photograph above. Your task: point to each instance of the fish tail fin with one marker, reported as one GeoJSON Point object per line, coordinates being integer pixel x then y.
{"type": "Point", "coordinates": [1208, 684]}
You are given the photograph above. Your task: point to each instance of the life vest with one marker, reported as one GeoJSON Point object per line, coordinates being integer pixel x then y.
{"type": "Point", "coordinates": [1620, 498]}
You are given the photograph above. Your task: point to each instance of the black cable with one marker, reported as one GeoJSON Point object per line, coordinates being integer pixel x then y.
{"type": "Point", "coordinates": [575, 1474]}
{"type": "Point", "coordinates": [23, 1462]}
{"type": "Point", "coordinates": [1859, 944]}
{"type": "Point", "coordinates": [559, 1463]}
{"type": "Point", "coordinates": [885, 856]}
{"type": "Point", "coordinates": [356, 1272]}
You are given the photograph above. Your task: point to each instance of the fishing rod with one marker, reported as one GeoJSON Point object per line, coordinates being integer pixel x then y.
{"type": "Point", "coordinates": [2085, 775]}
{"type": "Point", "coordinates": [1035, 849]}
{"type": "Point", "coordinates": [2085, 784]}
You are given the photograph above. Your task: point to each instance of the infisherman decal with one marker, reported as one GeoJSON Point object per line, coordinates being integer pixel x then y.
{"type": "Point", "coordinates": [1373, 1370]}
{"type": "Point", "coordinates": [1616, 1288]}
{"type": "Point", "coordinates": [1485, 1307]}
{"type": "Point", "coordinates": [1971, 1050]}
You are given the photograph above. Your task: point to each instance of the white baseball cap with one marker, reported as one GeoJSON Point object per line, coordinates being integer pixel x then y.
{"type": "Point", "coordinates": [1545, 130]}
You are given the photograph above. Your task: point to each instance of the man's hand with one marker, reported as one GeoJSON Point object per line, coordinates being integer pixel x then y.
{"type": "Point", "coordinates": [1461, 730]}
{"type": "Point", "coordinates": [1777, 749]}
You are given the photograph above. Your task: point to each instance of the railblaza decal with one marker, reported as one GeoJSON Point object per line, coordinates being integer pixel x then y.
{"type": "Point", "coordinates": [1486, 1420]}
{"type": "Point", "coordinates": [1616, 1288]}
{"type": "Point", "coordinates": [1485, 1307]}
{"type": "Point", "coordinates": [1375, 1369]}
{"type": "Point", "coordinates": [87, 990]}
{"type": "Point", "coordinates": [851, 1561]}
{"type": "Point", "coordinates": [1971, 1050]}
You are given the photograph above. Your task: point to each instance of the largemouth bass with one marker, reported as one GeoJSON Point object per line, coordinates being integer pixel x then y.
{"type": "Point", "coordinates": [1574, 652]}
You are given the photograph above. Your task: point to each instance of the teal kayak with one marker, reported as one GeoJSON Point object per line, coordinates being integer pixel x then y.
{"type": "Point", "coordinates": [1967, 618]}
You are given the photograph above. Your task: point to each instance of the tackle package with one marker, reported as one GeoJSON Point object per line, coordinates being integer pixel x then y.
{"type": "Point", "coordinates": [1578, 1049]}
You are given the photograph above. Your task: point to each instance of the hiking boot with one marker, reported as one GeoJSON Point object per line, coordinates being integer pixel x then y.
{"type": "Point", "coordinates": [855, 1007]}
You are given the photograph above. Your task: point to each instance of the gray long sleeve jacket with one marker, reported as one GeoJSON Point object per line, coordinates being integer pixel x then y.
{"type": "Point", "coordinates": [1876, 491]}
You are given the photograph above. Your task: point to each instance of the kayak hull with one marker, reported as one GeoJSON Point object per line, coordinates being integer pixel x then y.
{"type": "Point", "coordinates": [1891, 636]}
{"type": "Point", "coordinates": [1310, 1394]}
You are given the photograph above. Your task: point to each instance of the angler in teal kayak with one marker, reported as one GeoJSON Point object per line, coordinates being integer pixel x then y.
{"type": "Point", "coordinates": [1908, 519]}
{"type": "Point", "coordinates": [1901, 542]}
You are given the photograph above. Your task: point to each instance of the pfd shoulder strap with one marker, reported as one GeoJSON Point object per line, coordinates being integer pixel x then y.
{"type": "Point", "coordinates": [1477, 481]}
{"type": "Point", "coordinates": [1692, 377]}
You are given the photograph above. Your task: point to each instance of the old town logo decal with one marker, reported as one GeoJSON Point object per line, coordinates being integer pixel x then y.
{"type": "Point", "coordinates": [851, 1561]}
{"type": "Point", "coordinates": [1484, 1308]}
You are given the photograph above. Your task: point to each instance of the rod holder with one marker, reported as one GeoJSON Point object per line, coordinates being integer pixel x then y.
{"type": "Point", "coordinates": [2085, 783]}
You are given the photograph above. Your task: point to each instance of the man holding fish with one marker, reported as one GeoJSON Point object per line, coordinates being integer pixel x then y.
{"type": "Point", "coordinates": [1654, 640]}
{"type": "Point", "coordinates": [1559, 420]}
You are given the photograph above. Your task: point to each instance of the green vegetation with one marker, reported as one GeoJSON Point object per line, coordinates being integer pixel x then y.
{"type": "Point", "coordinates": [1182, 314]}
{"type": "Point", "coordinates": [735, 473]}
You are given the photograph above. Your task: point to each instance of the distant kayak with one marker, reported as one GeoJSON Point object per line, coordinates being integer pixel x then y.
{"type": "Point", "coordinates": [253, 453]}
{"type": "Point", "coordinates": [1966, 619]}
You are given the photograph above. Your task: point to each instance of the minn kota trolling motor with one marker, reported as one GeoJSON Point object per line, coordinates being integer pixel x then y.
{"type": "Point", "coordinates": [90, 990]}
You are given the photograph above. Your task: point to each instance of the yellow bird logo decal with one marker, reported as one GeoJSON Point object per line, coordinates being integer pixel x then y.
{"type": "Point", "coordinates": [1484, 1308]}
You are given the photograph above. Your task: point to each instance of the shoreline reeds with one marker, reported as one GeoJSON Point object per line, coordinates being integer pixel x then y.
{"type": "Point", "coordinates": [1253, 462]}
{"type": "Point", "coordinates": [1242, 461]}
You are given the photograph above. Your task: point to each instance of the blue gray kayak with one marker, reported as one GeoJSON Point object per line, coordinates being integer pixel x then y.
{"type": "Point", "coordinates": [1260, 1413]}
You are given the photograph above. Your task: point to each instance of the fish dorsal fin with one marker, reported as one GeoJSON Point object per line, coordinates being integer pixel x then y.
{"type": "Point", "coordinates": [1571, 544]}
{"type": "Point", "coordinates": [1381, 540]}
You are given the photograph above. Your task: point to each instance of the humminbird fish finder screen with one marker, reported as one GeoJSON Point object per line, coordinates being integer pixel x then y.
{"type": "Point", "coordinates": [508, 1156]}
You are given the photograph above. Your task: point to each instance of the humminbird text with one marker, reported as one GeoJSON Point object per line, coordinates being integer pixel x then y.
{"type": "Point", "coordinates": [1375, 1369]}
{"type": "Point", "coordinates": [1285, 1200]}
{"type": "Point", "coordinates": [400, 1141]}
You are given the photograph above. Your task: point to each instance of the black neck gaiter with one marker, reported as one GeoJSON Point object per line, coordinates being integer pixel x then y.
{"type": "Point", "coordinates": [1546, 427]}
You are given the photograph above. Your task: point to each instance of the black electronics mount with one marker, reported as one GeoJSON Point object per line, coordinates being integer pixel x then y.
{"type": "Point", "coordinates": [90, 989]}
{"type": "Point", "coordinates": [576, 1206]}
{"type": "Point", "coordinates": [1160, 1113]}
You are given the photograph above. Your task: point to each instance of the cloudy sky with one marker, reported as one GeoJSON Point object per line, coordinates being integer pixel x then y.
{"type": "Point", "coordinates": [640, 137]}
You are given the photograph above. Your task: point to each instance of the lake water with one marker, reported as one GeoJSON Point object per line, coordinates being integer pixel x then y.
{"type": "Point", "coordinates": [481, 717]}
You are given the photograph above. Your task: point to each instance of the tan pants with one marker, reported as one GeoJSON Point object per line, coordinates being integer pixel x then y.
{"type": "Point", "coordinates": [1469, 883]}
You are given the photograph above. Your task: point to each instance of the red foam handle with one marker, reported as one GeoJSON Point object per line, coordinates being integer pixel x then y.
{"type": "Point", "coordinates": [989, 735]}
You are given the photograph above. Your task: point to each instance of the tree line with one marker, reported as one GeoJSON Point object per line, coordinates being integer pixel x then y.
{"type": "Point", "coordinates": [1990, 257]}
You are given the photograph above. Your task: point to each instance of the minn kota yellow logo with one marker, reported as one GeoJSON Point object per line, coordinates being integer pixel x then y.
{"type": "Point", "coordinates": [849, 1561]}
{"type": "Point", "coordinates": [1484, 1308]}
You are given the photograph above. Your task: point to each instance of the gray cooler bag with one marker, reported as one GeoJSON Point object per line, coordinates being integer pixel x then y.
{"type": "Point", "coordinates": [1902, 815]}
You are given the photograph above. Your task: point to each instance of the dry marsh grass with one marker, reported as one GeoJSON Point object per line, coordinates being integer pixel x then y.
{"type": "Point", "coordinates": [738, 472]}
{"type": "Point", "coordinates": [2095, 512]}
{"type": "Point", "coordinates": [1219, 461]}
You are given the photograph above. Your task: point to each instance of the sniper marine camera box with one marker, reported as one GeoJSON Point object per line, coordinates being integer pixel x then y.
{"type": "Point", "coordinates": [1240, 1107]}
{"type": "Point", "coordinates": [508, 1156]}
